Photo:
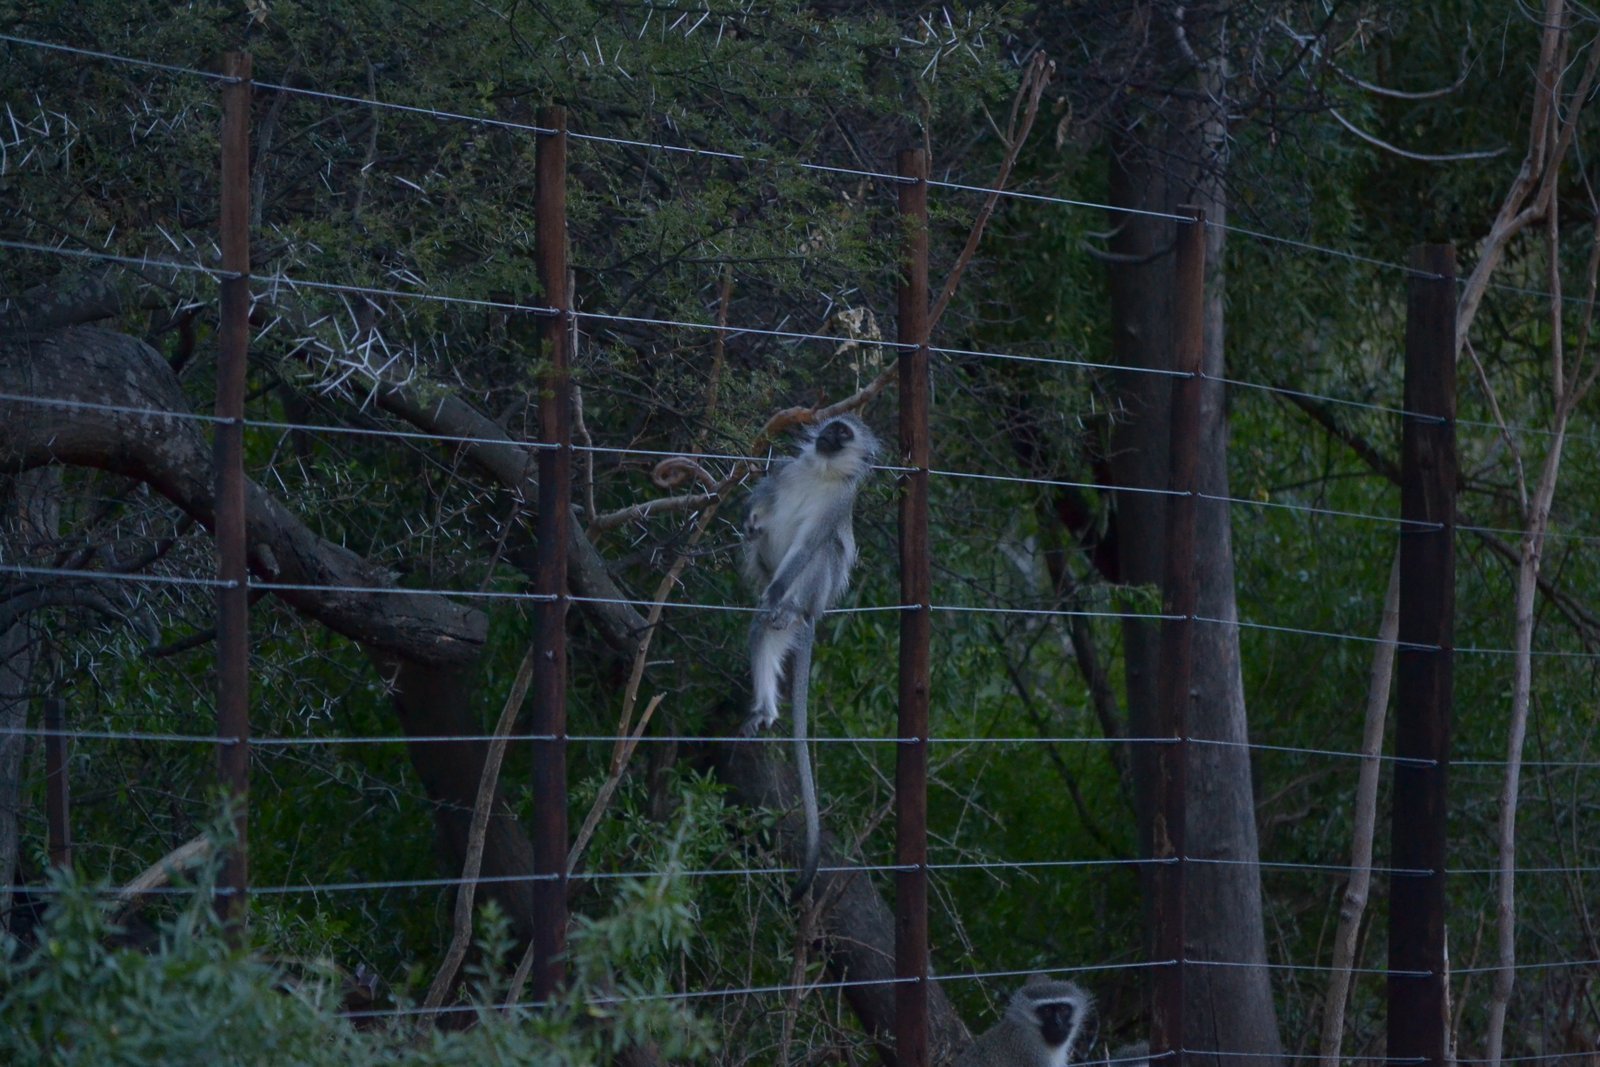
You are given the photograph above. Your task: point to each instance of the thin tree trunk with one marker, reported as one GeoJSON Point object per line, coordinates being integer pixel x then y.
{"type": "Point", "coordinates": [29, 516]}
{"type": "Point", "coordinates": [1522, 683]}
{"type": "Point", "coordinates": [1522, 678]}
{"type": "Point", "coordinates": [1366, 814]}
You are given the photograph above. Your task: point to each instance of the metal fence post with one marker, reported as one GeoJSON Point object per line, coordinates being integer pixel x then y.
{"type": "Point", "coordinates": [1417, 1006]}
{"type": "Point", "coordinates": [233, 595]}
{"type": "Point", "coordinates": [911, 764]}
{"type": "Point", "coordinates": [555, 505]}
{"type": "Point", "coordinates": [1180, 596]}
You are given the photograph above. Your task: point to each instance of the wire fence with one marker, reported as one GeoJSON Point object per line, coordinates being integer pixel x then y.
{"type": "Point", "coordinates": [274, 289]}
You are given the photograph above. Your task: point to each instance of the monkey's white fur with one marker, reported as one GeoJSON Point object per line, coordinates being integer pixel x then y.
{"type": "Point", "coordinates": [799, 549]}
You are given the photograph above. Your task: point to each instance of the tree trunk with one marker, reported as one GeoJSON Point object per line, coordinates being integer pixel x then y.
{"type": "Point", "coordinates": [1227, 1008]}
{"type": "Point", "coordinates": [29, 514]}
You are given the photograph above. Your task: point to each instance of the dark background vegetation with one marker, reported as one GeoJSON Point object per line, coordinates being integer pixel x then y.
{"type": "Point", "coordinates": [100, 156]}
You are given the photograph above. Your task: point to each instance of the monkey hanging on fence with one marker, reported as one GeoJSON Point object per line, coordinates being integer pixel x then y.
{"type": "Point", "coordinates": [799, 547]}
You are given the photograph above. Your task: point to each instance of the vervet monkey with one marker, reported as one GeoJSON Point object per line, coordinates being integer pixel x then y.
{"type": "Point", "coordinates": [1041, 1028]}
{"type": "Point", "coordinates": [798, 551]}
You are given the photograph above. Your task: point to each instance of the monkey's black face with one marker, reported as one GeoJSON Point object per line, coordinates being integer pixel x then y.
{"type": "Point", "coordinates": [1055, 1022]}
{"type": "Point", "coordinates": [834, 436]}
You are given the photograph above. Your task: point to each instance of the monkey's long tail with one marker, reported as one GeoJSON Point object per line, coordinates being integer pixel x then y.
{"type": "Point", "coordinates": [802, 759]}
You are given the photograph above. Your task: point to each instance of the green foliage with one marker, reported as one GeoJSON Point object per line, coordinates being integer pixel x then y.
{"type": "Point", "coordinates": [100, 156]}
{"type": "Point", "coordinates": [78, 996]}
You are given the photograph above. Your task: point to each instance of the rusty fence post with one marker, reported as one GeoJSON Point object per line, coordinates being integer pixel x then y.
{"type": "Point", "coordinates": [57, 786]}
{"type": "Point", "coordinates": [550, 579]}
{"type": "Point", "coordinates": [233, 595]}
{"type": "Point", "coordinates": [1180, 596]}
{"type": "Point", "coordinates": [911, 764]}
{"type": "Point", "coordinates": [1424, 686]}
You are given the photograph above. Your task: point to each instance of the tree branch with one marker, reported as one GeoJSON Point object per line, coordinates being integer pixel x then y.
{"type": "Point", "coordinates": [116, 406]}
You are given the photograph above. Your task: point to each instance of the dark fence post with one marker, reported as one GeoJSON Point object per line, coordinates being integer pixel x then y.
{"type": "Point", "coordinates": [1179, 598]}
{"type": "Point", "coordinates": [555, 506]}
{"type": "Point", "coordinates": [911, 763]}
{"type": "Point", "coordinates": [1417, 1005]}
{"type": "Point", "coordinates": [57, 787]}
{"type": "Point", "coordinates": [233, 595]}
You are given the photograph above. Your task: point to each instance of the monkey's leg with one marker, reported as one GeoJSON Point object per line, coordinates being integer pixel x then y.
{"type": "Point", "coordinates": [801, 683]}
{"type": "Point", "coordinates": [772, 636]}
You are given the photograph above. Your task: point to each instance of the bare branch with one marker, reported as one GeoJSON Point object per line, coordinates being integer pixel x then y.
{"type": "Point", "coordinates": [1402, 94]}
{"type": "Point", "coordinates": [1034, 81]}
{"type": "Point", "coordinates": [1420, 157]}
{"type": "Point", "coordinates": [187, 855]}
{"type": "Point", "coordinates": [488, 784]}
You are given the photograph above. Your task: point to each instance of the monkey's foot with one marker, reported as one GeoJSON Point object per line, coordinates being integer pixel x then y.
{"type": "Point", "coordinates": [781, 616]}
{"type": "Point", "coordinates": [758, 721]}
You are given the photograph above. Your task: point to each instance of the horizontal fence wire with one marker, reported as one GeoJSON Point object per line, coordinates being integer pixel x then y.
{"type": "Point", "coordinates": [1256, 746]}
{"type": "Point", "coordinates": [1589, 869]}
{"type": "Point", "coordinates": [270, 741]}
{"type": "Point", "coordinates": [146, 263]}
{"type": "Point", "coordinates": [776, 160]}
{"type": "Point", "coordinates": [274, 281]}
{"type": "Point", "coordinates": [1587, 1055]}
{"type": "Point", "coordinates": [1537, 653]}
{"type": "Point", "coordinates": [534, 446]}
{"type": "Point", "coordinates": [785, 989]}
{"type": "Point", "coordinates": [1343, 1057]}
{"type": "Point", "coordinates": [386, 885]}
{"type": "Point", "coordinates": [269, 284]}
{"type": "Point", "coordinates": [1316, 968]}
{"type": "Point", "coordinates": [756, 991]}
{"type": "Point", "coordinates": [142, 262]}
{"type": "Point", "coordinates": [1544, 965]}
{"type": "Point", "coordinates": [1547, 535]}
{"type": "Point", "coordinates": [1556, 764]}
{"type": "Point", "coordinates": [744, 609]}
{"type": "Point", "coordinates": [1529, 431]}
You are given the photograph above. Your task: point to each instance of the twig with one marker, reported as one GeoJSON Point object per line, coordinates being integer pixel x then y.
{"type": "Point", "coordinates": [580, 430]}
{"type": "Point", "coordinates": [1517, 212]}
{"type": "Point", "coordinates": [719, 350]}
{"type": "Point", "coordinates": [1500, 421]}
{"type": "Point", "coordinates": [461, 937]}
{"type": "Point", "coordinates": [646, 508]}
{"type": "Point", "coordinates": [1034, 80]}
{"type": "Point", "coordinates": [627, 738]}
{"type": "Point", "coordinates": [670, 473]}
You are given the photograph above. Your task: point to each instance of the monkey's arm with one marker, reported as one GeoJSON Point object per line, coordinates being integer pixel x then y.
{"type": "Point", "coordinates": [758, 512]}
{"type": "Point", "coordinates": [812, 573]}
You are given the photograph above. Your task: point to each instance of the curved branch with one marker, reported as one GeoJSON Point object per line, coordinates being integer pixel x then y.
{"type": "Point", "coordinates": [513, 465]}
{"type": "Point", "coordinates": [1421, 157]}
{"type": "Point", "coordinates": [116, 406]}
